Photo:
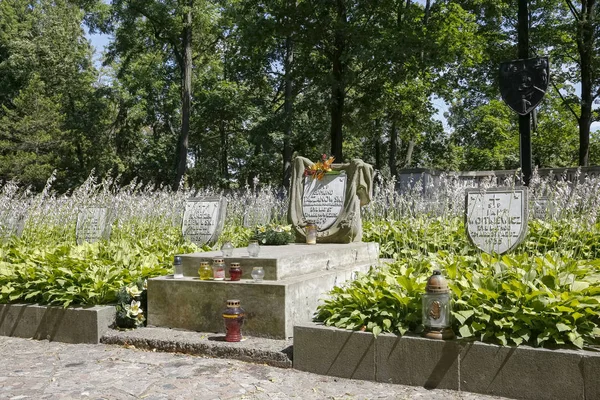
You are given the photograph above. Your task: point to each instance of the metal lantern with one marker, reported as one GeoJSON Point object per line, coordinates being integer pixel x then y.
{"type": "Point", "coordinates": [436, 308]}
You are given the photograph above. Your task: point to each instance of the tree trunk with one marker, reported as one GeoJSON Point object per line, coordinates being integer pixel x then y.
{"type": "Point", "coordinates": [288, 113]}
{"type": "Point", "coordinates": [585, 44]}
{"type": "Point", "coordinates": [186, 96]}
{"type": "Point", "coordinates": [402, 9]}
{"type": "Point", "coordinates": [338, 87]}
{"type": "Point", "coordinates": [224, 157]}
{"type": "Point", "coordinates": [409, 151]}
{"type": "Point", "coordinates": [252, 174]}
{"type": "Point", "coordinates": [393, 149]}
{"type": "Point", "coordinates": [378, 145]}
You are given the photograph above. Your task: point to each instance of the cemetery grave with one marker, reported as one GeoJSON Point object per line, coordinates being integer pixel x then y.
{"type": "Point", "coordinates": [546, 274]}
{"type": "Point", "coordinates": [296, 275]}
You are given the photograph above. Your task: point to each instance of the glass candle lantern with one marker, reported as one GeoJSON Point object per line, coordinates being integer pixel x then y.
{"type": "Point", "coordinates": [258, 273]}
{"type": "Point", "coordinates": [177, 267]}
{"type": "Point", "coordinates": [227, 249]}
{"type": "Point", "coordinates": [311, 233]}
{"type": "Point", "coordinates": [235, 271]}
{"type": "Point", "coordinates": [436, 308]}
{"type": "Point", "coordinates": [233, 316]}
{"type": "Point", "coordinates": [253, 248]}
{"type": "Point", "coordinates": [205, 272]}
{"type": "Point", "coordinates": [218, 269]}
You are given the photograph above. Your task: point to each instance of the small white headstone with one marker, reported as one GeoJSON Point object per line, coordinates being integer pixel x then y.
{"type": "Point", "coordinates": [93, 224]}
{"type": "Point", "coordinates": [203, 219]}
{"type": "Point", "coordinates": [323, 200]}
{"type": "Point", "coordinates": [256, 215]}
{"type": "Point", "coordinates": [544, 209]}
{"type": "Point", "coordinates": [12, 225]}
{"type": "Point", "coordinates": [496, 220]}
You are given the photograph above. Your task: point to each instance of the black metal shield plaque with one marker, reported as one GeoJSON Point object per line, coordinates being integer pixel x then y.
{"type": "Point", "coordinates": [523, 83]}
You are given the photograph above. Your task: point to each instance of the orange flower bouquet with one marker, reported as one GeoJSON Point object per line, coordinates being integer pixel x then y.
{"type": "Point", "coordinates": [318, 169]}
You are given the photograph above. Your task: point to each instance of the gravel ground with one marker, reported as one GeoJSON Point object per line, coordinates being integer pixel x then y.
{"type": "Point", "coordinates": [33, 369]}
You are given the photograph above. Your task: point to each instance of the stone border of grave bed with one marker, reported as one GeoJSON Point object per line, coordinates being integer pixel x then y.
{"type": "Point", "coordinates": [516, 372]}
{"type": "Point", "coordinates": [86, 324]}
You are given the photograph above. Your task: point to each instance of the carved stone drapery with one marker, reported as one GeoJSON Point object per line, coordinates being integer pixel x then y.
{"type": "Point", "coordinates": [347, 227]}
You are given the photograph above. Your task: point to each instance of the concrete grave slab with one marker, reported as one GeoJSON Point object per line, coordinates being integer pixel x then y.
{"type": "Point", "coordinates": [516, 372]}
{"type": "Point", "coordinates": [282, 262]}
{"type": "Point", "coordinates": [272, 307]}
{"type": "Point", "coordinates": [417, 361]}
{"type": "Point", "coordinates": [297, 276]}
{"type": "Point", "coordinates": [521, 372]}
{"type": "Point", "coordinates": [340, 353]}
{"type": "Point", "coordinates": [69, 325]}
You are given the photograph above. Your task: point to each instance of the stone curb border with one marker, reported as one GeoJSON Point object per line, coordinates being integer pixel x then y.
{"type": "Point", "coordinates": [92, 325]}
{"type": "Point", "coordinates": [69, 325]}
{"type": "Point", "coordinates": [516, 372]}
{"type": "Point", "coordinates": [277, 353]}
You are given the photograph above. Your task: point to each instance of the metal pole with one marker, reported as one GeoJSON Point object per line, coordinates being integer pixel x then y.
{"type": "Point", "coordinates": [524, 120]}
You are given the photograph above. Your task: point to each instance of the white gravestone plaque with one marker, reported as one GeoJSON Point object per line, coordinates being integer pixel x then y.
{"type": "Point", "coordinates": [203, 219]}
{"type": "Point", "coordinates": [11, 225]}
{"type": "Point", "coordinates": [496, 220]}
{"type": "Point", "coordinates": [93, 224]}
{"type": "Point", "coordinates": [256, 215]}
{"type": "Point", "coordinates": [323, 200]}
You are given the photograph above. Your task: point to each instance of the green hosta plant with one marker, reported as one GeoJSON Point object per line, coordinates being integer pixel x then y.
{"type": "Point", "coordinates": [87, 274]}
{"type": "Point", "coordinates": [238, 235]}
{"type": "Point", "coordinates": [378, 301]}
{"type": "Point", "coordinates": [510, 300]}
{"type": "Point", "coordinates": [274, 234]}
{"type": "Point", "coordinates": [516, 299]}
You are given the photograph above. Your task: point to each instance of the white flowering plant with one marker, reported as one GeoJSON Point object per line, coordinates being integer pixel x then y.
{"type": "Point", "coordinates": [274, 234]}
{"type": "Point", "coordinates": [132, 305]}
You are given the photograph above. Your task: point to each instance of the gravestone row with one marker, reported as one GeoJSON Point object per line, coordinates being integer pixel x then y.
{"type": "Point", "coordinates": [495, 219]}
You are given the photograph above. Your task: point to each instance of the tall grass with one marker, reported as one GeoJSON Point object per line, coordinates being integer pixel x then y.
{"type": "Point", "coordinates": [563, 215]}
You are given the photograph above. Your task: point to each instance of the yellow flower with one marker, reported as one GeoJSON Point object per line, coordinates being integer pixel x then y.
{"type": "Point", "coordinates": [318, 169]}
{"type": "Point", "coordinates": [134, 309]}
{"type": "Point", "coordinates": [133, 291]}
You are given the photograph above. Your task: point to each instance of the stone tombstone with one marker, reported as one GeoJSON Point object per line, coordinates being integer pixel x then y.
{"type": "Point", "coordinates": [93, 224]}
{"type": "Point", "coordinates": [496, 219]}
{"type": "Point", "coordinates": [256, 215]}
{"type": "Point", "coordinates": [203, 219]}
{"type": "Point", "coordinates": [323, 200]}
{"type": "Point", "coordinates": [333, 202]}
{"type": "Point", "coordinates": [543, 209]}
{"type": "Point", "coordinates": [11, 225]}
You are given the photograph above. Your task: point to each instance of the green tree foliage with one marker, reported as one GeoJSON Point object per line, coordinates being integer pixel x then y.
{"type": "Point", "coordinates": [225, 92]}
{"type": "Point", "coordinates": [575, 46]}
{"type": "Point", "coordinates": [31, 138]}
{"type": "Point", "coordinates": [53, 114]}
{"type": "Point", "coordinates": [476, 114]}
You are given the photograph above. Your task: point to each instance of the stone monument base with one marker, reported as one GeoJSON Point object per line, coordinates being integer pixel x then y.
{"type": "Point", "coordinates": [297, 276]}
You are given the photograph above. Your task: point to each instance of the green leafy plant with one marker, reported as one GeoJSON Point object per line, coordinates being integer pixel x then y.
{"type": "Point", "coordinates": [132, 305]}
{"type": "Point", "coordinates": [274, 234]}
{"type": "Point", "coordinates": [87, 274]}
{"type": "Point", "coordinates": [539, 299]}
